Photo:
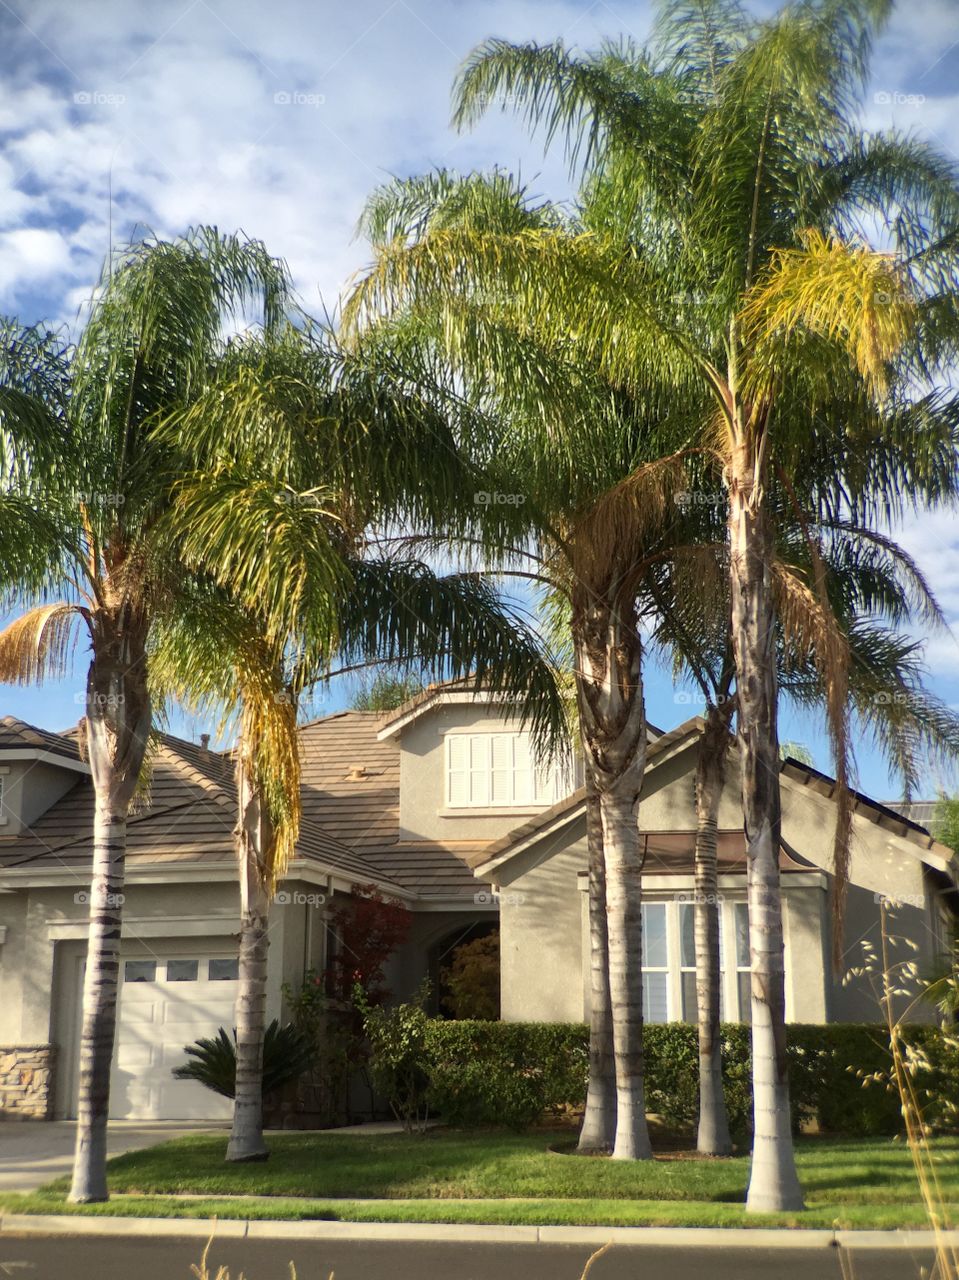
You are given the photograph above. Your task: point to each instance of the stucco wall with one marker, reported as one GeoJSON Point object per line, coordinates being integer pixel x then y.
{"type": "Point", "coordinates": [542, 935]}
{"type": "Point", "coordinates": [423, 815]}
{"type": "Point", "coordinates": [30, 787]}
{"type": "Point", "coordinates": [544, 929]}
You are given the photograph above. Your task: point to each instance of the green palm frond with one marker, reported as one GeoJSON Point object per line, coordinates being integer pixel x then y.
{"type": "Point", "coordinates": [846, 294]}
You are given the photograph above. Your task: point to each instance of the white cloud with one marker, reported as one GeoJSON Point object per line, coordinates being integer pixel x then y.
{"type": "Point", "coordinates": [31, 255]}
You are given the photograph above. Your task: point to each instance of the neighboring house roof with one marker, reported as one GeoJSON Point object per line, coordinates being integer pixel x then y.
{"type": "Point", "coordinates": [922, 812]}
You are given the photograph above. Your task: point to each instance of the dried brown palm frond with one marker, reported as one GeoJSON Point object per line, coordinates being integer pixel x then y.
{"type": "Point", "coordinates": [626, 520]}
{"type": "Point", "coordinates": [40, 645]}
{"type": "Point", "coordinates": [812, 631]}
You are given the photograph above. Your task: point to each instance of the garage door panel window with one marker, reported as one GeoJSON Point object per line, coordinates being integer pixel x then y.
{"type": "Point", "coordinates": [140, 971]}
{"type": "Point", "coordinates": [224, 970]}
{"type": "Point", "coordinates": [182, 970]}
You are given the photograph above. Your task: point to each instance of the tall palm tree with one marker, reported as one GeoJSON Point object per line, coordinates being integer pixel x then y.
{"type": "Point", "coordinates": [597, 481]}
{"type": "Point", "coordinates": [872, 586]}
{"type": "Point", "coordinates": [85, 487]}
{"type": "Point", "coordinates": [292, 446]}
{"type": "Point", "coordinates": [731, 190]}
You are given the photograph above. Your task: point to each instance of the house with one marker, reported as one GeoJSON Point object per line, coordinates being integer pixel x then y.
{"type": "Point", "coordinates": [441, 806]}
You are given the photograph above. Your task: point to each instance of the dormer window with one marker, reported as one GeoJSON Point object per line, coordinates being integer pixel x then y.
{"type": "Point", "coordinates": [498, 771]}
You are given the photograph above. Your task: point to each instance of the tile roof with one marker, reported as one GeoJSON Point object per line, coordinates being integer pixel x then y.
{"type": "Point", "coordinates": [188, 816]}
{"type": "Point", "coordinates": [17, 734]}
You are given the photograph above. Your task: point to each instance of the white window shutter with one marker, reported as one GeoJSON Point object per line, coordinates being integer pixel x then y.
{"type": "Point", "coordinates": [479, 769]}
{"type": "Point", "coordinates": [457, 771]}
{"type": "Point", "coordinates": [525, 789]}
{"type": "Point", "coordinates": [501, 768]}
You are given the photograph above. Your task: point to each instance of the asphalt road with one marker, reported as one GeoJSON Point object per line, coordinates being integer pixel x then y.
{"type": "Point", "coordinates": [112, 1258]}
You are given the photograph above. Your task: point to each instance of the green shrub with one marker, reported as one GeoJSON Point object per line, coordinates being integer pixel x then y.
{"type": "Point", "coordinates": [400, 1063]}
{"type": "Point", "coordinates": [488, 1073]}
{"type": "Point", "coordinates": [506, 1073]}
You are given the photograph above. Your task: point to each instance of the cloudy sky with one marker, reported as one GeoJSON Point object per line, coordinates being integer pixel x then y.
{"type": "Point", "coordinates": [278, 118]}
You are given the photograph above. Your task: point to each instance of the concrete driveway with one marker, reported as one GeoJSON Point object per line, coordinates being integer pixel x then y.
{"type": "Point", "coordinates": [34, 1151]}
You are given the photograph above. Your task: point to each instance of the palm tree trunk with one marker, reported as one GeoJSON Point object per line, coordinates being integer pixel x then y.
{"type": "Point", "coordinates": [117, 731]}
{"type": "Point", "coordinates": [252, 837]}
{"type": "Point", "coordinates": [613, 725]}
{"type": "Point", "coordinates": [599, 1120]}
{"type": "Point", "coordinates": [713, 1137]}
{"type": "Point", "coordinates": [774, 1184]}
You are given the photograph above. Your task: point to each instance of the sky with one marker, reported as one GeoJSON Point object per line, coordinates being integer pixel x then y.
{"type": "Point", "coordinates": [119, 116]}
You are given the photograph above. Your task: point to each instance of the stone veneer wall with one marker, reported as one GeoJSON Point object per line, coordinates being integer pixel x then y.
{"type": "Point", "coordinates": [26, 1081]}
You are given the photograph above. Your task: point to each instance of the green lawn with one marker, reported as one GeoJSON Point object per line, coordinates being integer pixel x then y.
{"type": "Point", "coordinates": [503, 1178]}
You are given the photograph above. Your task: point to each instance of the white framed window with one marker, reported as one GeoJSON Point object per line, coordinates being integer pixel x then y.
{"type": "Point", "coordinates": [655, 963]}
{"type": "Point", "coordinates": [743, 962]}
{"type": "Point", "coordinates": [687, 961]}
{"type": "Point", "coordinates": [498, 770]}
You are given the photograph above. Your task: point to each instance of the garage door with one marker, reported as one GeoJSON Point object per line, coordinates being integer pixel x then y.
{"type": "Point", "coordinates": [167, 1003]}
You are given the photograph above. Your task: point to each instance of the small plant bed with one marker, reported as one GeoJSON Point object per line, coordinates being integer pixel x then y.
{"type": "Point", "coordinates": [466, 1176]}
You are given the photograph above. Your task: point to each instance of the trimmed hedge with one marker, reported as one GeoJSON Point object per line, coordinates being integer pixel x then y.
{"type": "Point", "coordinates": [513, 1073]}
{"type": "Point", "coordinates": [506, 1073]}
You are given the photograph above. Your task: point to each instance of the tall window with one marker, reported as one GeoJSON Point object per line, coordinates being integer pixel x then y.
{"type": "Point", "coordinates": [687, 960]}
{"type": "Point", "coordinates": [497, 770]}
{"type": "Point", "coordinates": [655, 962]}
{"type": "Point", "coordinates": [743, 965]}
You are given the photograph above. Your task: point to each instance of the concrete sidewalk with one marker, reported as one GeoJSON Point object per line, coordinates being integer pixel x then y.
{"type": "Point", "coordinates": [34, 1151]}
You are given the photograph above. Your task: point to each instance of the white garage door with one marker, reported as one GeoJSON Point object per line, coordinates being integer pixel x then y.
{"type": "Point", "coordinates": [167, 1003]}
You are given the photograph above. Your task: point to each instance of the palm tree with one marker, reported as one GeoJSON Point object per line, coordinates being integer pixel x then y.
{"type": "Point", "coordinates": [316, 487]}
{"type": "Point", "coordinates": [598, 482]}
{"type": "Point", "coordinates": [85, 488]}
{"type": "Point", "coordinates": [730, 189]}
{"type": "Point", "coordinates": [872, 585]}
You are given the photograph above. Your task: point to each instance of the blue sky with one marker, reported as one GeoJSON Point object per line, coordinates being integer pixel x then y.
{"type": "Point", "coordinates": [279, 118]}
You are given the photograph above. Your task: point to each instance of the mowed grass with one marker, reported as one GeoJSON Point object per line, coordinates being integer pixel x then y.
{"type": "Point", "coordinates": [452, 1176]}
{"type": "Point", "coordinates": [511, 1212]}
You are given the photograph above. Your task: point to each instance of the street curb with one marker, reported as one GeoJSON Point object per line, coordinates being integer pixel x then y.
{"type": "Point", "coordinates": [473, 1233]}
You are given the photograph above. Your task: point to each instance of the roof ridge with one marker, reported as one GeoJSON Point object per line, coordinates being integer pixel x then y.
{"type": "Point", "coordinates": [186, 766]}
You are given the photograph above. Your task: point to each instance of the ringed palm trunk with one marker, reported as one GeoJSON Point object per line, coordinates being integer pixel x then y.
{"type": "Point", "coordinates": [773, 1184]}
{"type": "Point", "coordinates": [599, 1120]}
{"type": "Point", "coordinates": [713, 1136]}
{"type": "Point", "coordinates": [252, 838]}
{"type": "Point", "coordinates": [117, 731]}
{"type": "Point", "coordinates": [613, 724]}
